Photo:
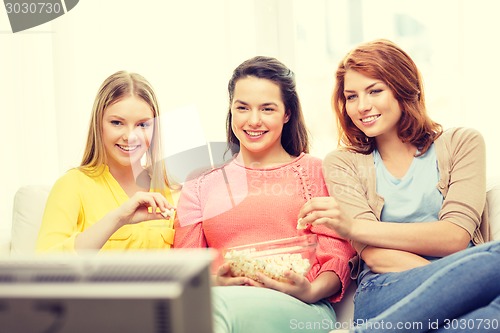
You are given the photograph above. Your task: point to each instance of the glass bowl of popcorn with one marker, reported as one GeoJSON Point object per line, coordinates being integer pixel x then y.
{"type": "Point", "coordinates": [273, 258]}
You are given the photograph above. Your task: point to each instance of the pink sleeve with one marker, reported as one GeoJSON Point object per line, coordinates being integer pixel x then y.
{"type": "Point", "coordinates": [188, 222]}
{"type": "Point", "coordinates": [333, 252]}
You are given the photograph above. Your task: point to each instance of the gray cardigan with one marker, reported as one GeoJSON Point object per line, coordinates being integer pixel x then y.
{"type": "Point", "coordinates": [461, 155]}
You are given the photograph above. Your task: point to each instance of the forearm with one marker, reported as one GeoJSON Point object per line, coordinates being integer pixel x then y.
{"type": "Point", "coordinates": [325, 285]}
{"type": "Point", "coordinates": [439, 238]}
{"type": "Point", "coordinates": [98, 234]}
{"type": "Point", "coordinates": [386, 260]}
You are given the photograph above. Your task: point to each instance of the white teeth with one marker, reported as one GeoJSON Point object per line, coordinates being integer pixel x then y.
{"type": "Point", "coordinates": [254, 133]}
{"type": "Point", "coordinates": [368, 119]}
{"type": "Point", "coordinates": [128, 148]}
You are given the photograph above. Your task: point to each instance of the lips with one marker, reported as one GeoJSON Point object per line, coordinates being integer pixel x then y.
{"type": "Point", "coordinates": [255, 134]}
{"type": "Point", "coordinates": [128, 149]}
{"type": "Point", "coordinates": [369, 119]}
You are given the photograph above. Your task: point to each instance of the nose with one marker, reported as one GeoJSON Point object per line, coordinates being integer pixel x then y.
{"type": "Point", "coordinates": [254, 118]}
{"type": "Point", "coordinates": [130, 134]}
{"type": "Point", "coordinates": [364, 103]}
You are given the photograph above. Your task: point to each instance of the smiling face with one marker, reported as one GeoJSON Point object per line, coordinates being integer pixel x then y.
{"type": "Point", "coordinates": [127, 131]}
{"type": "Point", "coordinates": [258, 115]}
{"type": "Point", "coordinates": [371, 105]}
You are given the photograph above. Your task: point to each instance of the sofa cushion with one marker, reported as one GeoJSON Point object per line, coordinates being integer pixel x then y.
{"type": "Point", "coordinates": [29, 204]}
{"type": "Point", "coordinates": [494, 211]}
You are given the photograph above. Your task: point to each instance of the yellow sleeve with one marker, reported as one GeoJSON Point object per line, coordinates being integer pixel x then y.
{"type": "Point", "coordinates": [61, 216]}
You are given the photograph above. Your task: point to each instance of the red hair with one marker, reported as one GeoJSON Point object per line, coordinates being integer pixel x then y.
{"type": "Point", "coordinates": [385, 61]}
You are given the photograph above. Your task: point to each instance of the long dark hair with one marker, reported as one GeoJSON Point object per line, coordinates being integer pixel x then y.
{"type": "Point", "coordinates": [294, 138]}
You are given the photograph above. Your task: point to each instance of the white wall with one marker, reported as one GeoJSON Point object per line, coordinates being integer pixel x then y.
{"type": "Point", "coordinates": [27, 109]}
{"type": "Point", "coordinates": [480, 89]}
{"type": "Point", "coordinates": [187, 49]}
{"type": "Point", "coordinates": [50, 74]}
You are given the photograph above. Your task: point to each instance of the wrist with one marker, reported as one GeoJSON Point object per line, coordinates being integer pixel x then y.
{"type": "Point", "coordinates": [116, 220]}
{"type": "Point", "coordinates": [356, 232]}
{"type": "Point", "coordinates": [352, 231]}
{"type": "Point", "coordinates": [325, 285]}
{"type": "Point", "coordinates": [214, 280]}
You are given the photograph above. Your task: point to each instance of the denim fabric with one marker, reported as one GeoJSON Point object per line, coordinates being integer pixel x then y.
{"type": "Point", "coordinates": [244, 309]}
{"type": "Point", "coordinates": [458, 293]}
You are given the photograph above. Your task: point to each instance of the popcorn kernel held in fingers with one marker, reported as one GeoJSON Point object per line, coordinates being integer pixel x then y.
{"type": "Point", "coordinates": [168, 213]}
{"type": "Point", "coordinates": [301, 226]}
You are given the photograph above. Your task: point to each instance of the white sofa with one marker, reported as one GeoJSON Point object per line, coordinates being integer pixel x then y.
{"type": "Point", "coordinates": [29, 203]}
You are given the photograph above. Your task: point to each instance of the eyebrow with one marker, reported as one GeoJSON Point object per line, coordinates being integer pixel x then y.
{"type": "Point", "coordinates": [138, 121]}
{"type": "Point", "coordinates": [263, 104]}
{"type": "Point", "coordinates": [369, 87]}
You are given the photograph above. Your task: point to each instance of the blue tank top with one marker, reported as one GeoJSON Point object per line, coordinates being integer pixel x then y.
{"type": "Point", "coordinates": [412, 198]}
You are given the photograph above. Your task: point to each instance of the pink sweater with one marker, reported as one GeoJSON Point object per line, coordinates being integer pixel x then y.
{"type": "Point", "coordinates": [235, 205]}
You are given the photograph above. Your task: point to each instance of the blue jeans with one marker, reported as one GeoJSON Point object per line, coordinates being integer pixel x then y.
{"type": "Point", "coordinates": [244, 309]}
{"type": "Point", "coordinates": [457, 293]}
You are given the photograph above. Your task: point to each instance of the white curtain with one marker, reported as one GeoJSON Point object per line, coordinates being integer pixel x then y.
{"type": "Point", "coordinates": [29, 120]}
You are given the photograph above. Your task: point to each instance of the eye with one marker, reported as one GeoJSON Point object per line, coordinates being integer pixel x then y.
{"type": "Point", "coordinates": [375, 91]}
{"type": "Point", "coordinates": [116, 122]}
{"type": "Point", "coordinates": [350, 97]}
{"type": "Point", "coordinates": [145, 124]}
{"type": "Point", "coordinates": [267, 109]}
{"type": "Point", "coordinates": [241, 108]}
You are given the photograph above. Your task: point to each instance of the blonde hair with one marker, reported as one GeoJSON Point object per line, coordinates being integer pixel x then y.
{"type": "Point", "coordinates": [117, 86]}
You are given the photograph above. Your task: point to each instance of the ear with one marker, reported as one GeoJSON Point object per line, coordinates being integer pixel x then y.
{"type": "Point", "coordinates": [287, 117]}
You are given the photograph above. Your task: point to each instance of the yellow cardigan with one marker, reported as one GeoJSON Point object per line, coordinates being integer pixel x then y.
{"type": "Point", "coordinates": [77, 201]}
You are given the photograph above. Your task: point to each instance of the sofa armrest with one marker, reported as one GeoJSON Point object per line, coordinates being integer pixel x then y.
{"type": "Point", "coordinates": [4, 243]}
{"type": "Point", "coordinates": [29, 204]}
{"type": "Point", "coordinates": [493, 198]}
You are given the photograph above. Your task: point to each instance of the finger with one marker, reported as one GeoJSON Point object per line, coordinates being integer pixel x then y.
{"type": "Point", "coordinates": [223, 269]}
{"type": "Point", "coordinates": [159, 204]}
{"type": "Point", "coordinates": [238, 281]}
{"type": "Point", "coordinates": [166, 214]}
{"type": "Point", "coordinates": [327, 221]}
{"type": "Point", "coordinates": [274, 284]}
{"type": "Point", "coordinates": [301, 224]}
{"type": "Point", "coordinates": [163, 204]}
{"type": "Point", "coordinates": [267, 281]}
{"type": "Point", "coordinates": [254, 283]}
{"type": "Point", "coordinates": [224, 277]}
{"type": "Point", "coordinates": [306, 208]}
{"type": "Point", "coordinates": [146, 199]}
{"type": "Point", "coordinates": [160, 201]}
{"type": "Point", "coordinates": [294, 277]}
{"type": "Point", "coordinates": [324, 203]}
{"type": "Point", "coordinates": [306, 221]}
{"type": "Point", "coordinates": [317, 204]}
{"type": "Point", "coordinates": [313, 216]}
{"type": "Point", "coordinates": [332, 214]}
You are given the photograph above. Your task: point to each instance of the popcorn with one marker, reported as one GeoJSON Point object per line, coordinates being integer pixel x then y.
{"type": "Point", "coordinates": [301, 226]}
{"type": "Point", "coordinates": [249, 262]}
{"type": "Point", "coordinates": [168, 213]}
